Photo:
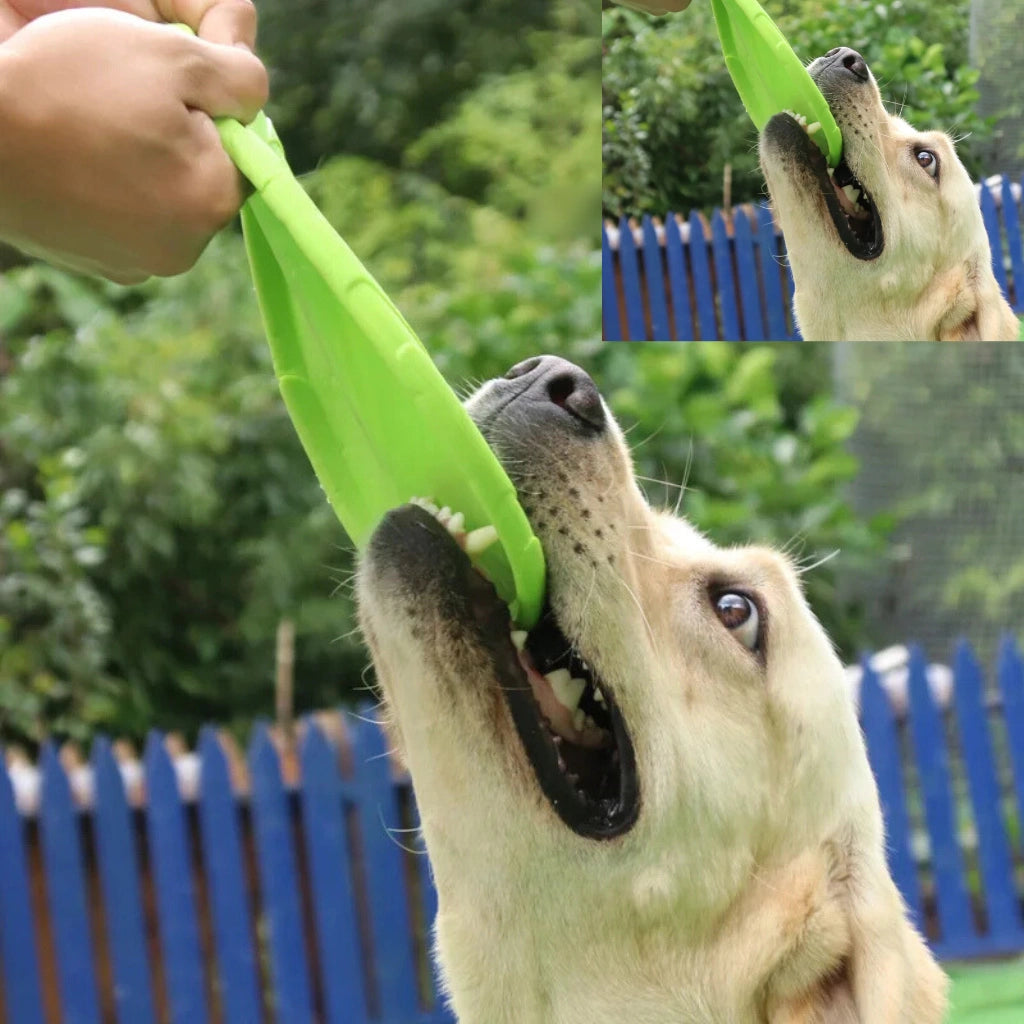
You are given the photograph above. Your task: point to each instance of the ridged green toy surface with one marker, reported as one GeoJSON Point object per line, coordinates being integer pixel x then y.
{"type": "Point", "coordinates": [768, 75]}
{"type": "Point", "coordinates": [376, 418]}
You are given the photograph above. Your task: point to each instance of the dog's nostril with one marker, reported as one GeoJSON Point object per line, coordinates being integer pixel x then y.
{"type": "Point", "coordinates": [833, 51]}
{"type": "Point", "coordinates": [854, 63]}
{"type": "Point", "coordinates": [523, 368]}
{"type": "Point", "coordinates": [576, 393]}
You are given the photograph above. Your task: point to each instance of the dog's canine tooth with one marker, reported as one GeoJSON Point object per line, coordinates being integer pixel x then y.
{"type": "Point", "coordinates": [812, 128]}
{"type": "Point", "coordinates": [479, 540]}
{"type": "Point", "coordinates": [518, 638]}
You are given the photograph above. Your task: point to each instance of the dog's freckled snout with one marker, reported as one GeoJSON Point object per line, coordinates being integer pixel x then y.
{"type": "Point", "coordinates": [559, 382]}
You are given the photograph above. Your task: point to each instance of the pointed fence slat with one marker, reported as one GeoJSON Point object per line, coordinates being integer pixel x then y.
{"type": "Point", "coordinates": [774, 299]}
{"type": "Point", "coordinates": [705, 296]}
{"type": "Point", "coordinates": [175, 898]}
{"type": "Point", "coordinates": [883, 745]}
{"type": "Point", "coordinates": [65, 885]}
{"type": "Point", "coordinates": [933, 771]}
{"type": "Point", "coordinates": [1005, 928]}
{"type": "Point", "coordinates": [385, 871]}
{"type": "Point", "coordinates": [122, 894]}
{"type": "Point", "coordinates": [224, 863]}
{"type": "Point", "coordinates": [335, 906]}
{"type": "Point", "coordinates": [611, 329]}
{"type": "Point", "coordinates": [630, 271]}
{"type": "Point", "coordinates": [1011, 688]}
{"type": "Point", "coordinates": [279, 884]}
{"type": "Point", "coordinates": [654, 274]}
{"type": "Point", "coordinates": [746, 272]}
{"type": "Point", "coordinates": [1011, 223]}
{"type": "Point", "coordinates": [675, 253]}
{"type": "Point", "coordinates": [990, 215]}
{"type": "Point", "coordinates": [726, 279]}
{"type": "Point", "coordinates": [22, 990]}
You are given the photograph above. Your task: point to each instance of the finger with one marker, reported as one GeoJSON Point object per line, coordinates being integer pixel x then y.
{"type": "Point", "coordinates": [230, 22]}
{"type": "Point", "coordinates": [223, 81]}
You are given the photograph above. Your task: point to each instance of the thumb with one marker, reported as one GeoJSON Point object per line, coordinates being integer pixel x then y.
{"type": "Point", "coordinates": [224, 81]}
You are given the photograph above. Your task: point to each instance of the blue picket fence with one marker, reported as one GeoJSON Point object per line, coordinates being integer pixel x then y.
{"type": "Point", "coordinates": [728, 279]}
{"type": "Point", "coordinates": [293, 895]}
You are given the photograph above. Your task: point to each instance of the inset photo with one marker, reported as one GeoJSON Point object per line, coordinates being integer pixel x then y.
{"type": "Point", "coordinates": [801, 169]}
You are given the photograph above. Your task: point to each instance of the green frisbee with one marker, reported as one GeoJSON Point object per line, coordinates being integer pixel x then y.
{"type": "Point", "coordinates": [376, 418]}
{"type": "Point", "coordinates": [768, 75]}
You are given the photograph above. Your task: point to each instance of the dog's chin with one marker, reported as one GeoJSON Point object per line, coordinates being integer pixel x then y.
{"type": "Point", "coordinates": [587, 770]}
{"type": "Point", "coordinates": [860, 227]}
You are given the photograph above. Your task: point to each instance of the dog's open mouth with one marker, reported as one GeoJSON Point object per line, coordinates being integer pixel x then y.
{"type": "Point", "coordinates": [567, 718]}
{"type": "Point", "coordinates": [850, 205]}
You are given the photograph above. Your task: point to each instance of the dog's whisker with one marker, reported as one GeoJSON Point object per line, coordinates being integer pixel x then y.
{"type": "Point", "coordinates": [802, 570]}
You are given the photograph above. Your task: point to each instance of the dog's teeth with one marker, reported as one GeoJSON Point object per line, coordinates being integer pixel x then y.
{"type": "Point", "coordinates": [812, 128]}
{"type": "Point", "coordinates": [598, 696]}
{"type": "Point", "coordinates": [831, 172]}
{"type": "Point", "coordinates": [425, 503]}
{"type": "Point", "coordinates": [457, 524]}
{"type": "Point", "coordinates": [566, 689]}
{"type": "Point", "coordinates": [480, 540]}
{"type": "Point", "coordinates": [444, 515]}
{"type": "Point", "coordinates": [518, 639]}
{"type": "Point", "coordinates": [852, 193]}
{"type": "Point", "coordinates": [578, 719]}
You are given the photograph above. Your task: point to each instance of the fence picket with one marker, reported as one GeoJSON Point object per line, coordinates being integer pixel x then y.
{"type": "Point", "coordinates": [720, 246]}
{"type": "Point", "coordinates": [1011, 222]}
{"type": "Point", "coordinates": [65, 886]}
{"type": "Point", "coordinates": [330, 873]}
{"type": "Point", "coordinates": [706, 324]}
{"type": "Point", "coordinates": [611, 329]}
{"type": "Point", "coordinates": [883, 745]}
{"type": "Point", "coordinates": [1011, 687]}
{"type": "Point", "coordinates": [746, 273]}
{"type": "Point", "coordinates": [172, 876]}
{"type": "Point", "coordinates": [654, 275]}
{"type": "Point", "coordinates": [675, 253]}
{"type": "Point", "coordinates": [630, 271]}
{"type": "Point", "coordinates": [1004, 922]}
{"type": "Point", "coordinates": [990, 216]}
{"type": "Point", "coordinates": [775, 301]}
{"type": "Point", "coordinates": [933, 771]}
{"type": "Point", "coordinates": [120, 885]}
{"type": "Point", "coordinates": [272, 822]}
{"type": "Point", "coordinates": [392, 945]}
{"type": "Point", "coordinates": [22, 991]}
{"type": "Point", "coordinates": [223, 860]}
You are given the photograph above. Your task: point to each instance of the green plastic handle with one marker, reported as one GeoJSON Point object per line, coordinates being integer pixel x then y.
{"type": "Point", "coordinates": [768, 75]}
{"type": "Point", "coordinates": [378, 421]}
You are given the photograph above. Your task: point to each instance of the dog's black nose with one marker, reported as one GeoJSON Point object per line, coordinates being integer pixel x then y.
{"type": "Point", "coordinates": [555, 380]}
{"type": "Point", "coordinates": [851, 60]}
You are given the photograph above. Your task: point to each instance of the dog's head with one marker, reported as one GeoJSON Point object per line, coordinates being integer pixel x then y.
{"type": "Point", "coordinates": [699, 672]}
{"type": "Point", "coordinates": [891, 244]}
{"type": "Point", "coordinates": [670, 749]}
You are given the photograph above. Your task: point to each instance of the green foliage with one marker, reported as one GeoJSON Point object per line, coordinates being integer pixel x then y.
{"type": "Point", "coordinates": [673, 120]}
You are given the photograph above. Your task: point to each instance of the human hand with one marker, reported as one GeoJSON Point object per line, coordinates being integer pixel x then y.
{"type": "Point", "coordinates": [231, 22]}
{"type": "Point", "coordinates": [111, 163]}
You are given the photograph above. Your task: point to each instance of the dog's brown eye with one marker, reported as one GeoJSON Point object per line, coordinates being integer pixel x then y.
{"type": "Point", "coordinates": [929, 161]}
{"type": "Point", "coordinates": [739, 615]}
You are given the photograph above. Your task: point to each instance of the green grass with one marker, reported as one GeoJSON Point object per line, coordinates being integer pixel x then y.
{"type": "Point", "coordinates": [987, 993]}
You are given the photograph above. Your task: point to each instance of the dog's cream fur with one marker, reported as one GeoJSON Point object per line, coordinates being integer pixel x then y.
{"type": "Point", "coordinates": [753, 888]}
{"type": "Point", "coordinates": [933, 281]}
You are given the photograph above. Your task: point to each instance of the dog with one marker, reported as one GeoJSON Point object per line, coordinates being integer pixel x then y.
{"type": "Point", "coordinates": [890, 245]}
{"type": "Point", "coordinates": [656, 806]}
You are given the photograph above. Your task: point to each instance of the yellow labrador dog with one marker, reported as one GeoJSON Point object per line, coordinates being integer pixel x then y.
{"type": "Point", "coordinates": [656, 807]}
{"type": "Point", "coordinates": [891, 246]}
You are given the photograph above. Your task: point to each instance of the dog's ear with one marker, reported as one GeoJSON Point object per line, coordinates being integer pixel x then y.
{"type": "Point", "coordinates": [887, 977]}
{"type": "Point", "coordinates": [991, 320]}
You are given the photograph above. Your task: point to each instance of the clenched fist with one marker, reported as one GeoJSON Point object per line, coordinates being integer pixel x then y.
{"type": "Point", "coordinates": [110, 162]}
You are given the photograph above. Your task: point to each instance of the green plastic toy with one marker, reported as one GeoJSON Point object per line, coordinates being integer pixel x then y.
{"type": "Point", "coordinates": [768, 75]}
{"type": "Point", "coordinates": [376, 418]}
